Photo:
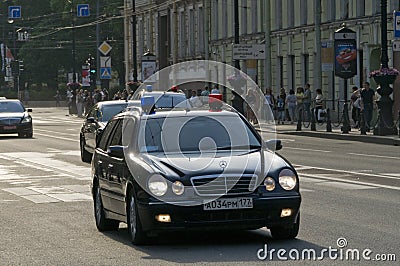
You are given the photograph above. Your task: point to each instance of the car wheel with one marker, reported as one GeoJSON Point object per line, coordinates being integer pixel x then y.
{"type": "Point", "coordinates": [29, 135]}
{"type": "Point", "coordinates": [286, 232]}
{"type": "Point", "coordinates": [102, 223]}
{"type": "Point", "coordinates": [85, 155]}
{"type": "Point", "coordinates": [138, 236]}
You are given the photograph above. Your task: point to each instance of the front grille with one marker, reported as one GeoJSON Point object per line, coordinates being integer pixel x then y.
{"type": "Point", "coordinates": [224, 185]}
{"type": "Point", "coordinates": [10, 121]}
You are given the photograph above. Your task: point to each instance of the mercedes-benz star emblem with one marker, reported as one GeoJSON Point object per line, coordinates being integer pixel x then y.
{"type": "Point", "coordinates": [223, 164]}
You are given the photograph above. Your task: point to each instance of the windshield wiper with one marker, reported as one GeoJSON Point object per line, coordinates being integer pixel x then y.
{"type": "Point", "coordinates": [239, 147]}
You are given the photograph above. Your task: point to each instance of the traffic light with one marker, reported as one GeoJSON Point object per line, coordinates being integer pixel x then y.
{"type": "Point", "coordinates": [21, 66]}
{"type": "Point", "coordinates": [92, 70]}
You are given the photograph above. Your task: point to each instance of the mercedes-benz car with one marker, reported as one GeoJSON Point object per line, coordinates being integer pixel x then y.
{"type": "Point", "coordinates": [188, 170]}
{"type": "Point", "coordinates": [15, 119]}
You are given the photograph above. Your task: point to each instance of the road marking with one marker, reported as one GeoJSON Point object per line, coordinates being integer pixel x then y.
{"type": "Point", "coordinates": [57, 132]}
{"type": "Point", "coordinates": [54, 137]}
{"type": "Point", "coordinates": [374, 156]}
{"type": "Point", "coordinates": [350, 181]}
{"type": "Point", "coordinates": [301, 149]}
{"type": "Point", "coordinates": [349, 172]}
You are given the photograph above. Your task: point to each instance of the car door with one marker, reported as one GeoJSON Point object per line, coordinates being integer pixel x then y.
{"type": "Point", "coordinates": [91, 126]}
{"type": "Point", "coordinates": [101, 162]}
{"type": "Point", "coordinates": [115, 171]}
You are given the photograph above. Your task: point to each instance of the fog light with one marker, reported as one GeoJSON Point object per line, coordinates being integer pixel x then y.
{"type": "Point", "coordinates": [163, 218]}
{"type": "Point", "coordinates": [286, 212]}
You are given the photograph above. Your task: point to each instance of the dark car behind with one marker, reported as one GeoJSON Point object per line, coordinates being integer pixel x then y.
{"type": "Point", "coordinates": [15, 119]}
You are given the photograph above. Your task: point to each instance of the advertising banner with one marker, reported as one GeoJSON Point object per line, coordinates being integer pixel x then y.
{"type": "Point", "coordinates": [345, 53]}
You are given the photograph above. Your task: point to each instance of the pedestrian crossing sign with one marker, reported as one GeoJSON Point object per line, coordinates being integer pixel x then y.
{"type": "Point", "coordinates": [105, 73]}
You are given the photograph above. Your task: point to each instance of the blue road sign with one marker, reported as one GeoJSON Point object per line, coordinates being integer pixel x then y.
{"type": "Point", "coordinates": [14, 12]}
{"type": "Point", "coordinates": [396, 24]}
{"type": "Point", "coordinates": [83, 10]}
{"type": "Point", "coordinates": [105, 72]}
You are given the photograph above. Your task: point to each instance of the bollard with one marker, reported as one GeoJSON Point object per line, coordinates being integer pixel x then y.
{"type": "Point", "coordinates": [346, 120]}
{"type": "Point", "coordinates": [299, 120]}
{"type": "Point", "coordinates": [363, 129]}
{"type": "Point", "coordinates": [328, 121]}
{"type": "Point", "coordinates": [313, 126]}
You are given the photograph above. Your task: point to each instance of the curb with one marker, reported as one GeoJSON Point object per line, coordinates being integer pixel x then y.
{"type": "Point", "coordinates": [361, 138]}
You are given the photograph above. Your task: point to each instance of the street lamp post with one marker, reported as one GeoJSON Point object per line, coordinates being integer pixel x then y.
{"type": "Point", "coordinates": [385, 125]}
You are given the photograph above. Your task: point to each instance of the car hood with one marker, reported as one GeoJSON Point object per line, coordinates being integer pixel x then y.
{"type": "Point", "coordinates": [209, 163]}
{"type": "Point", "coordinates": [11, 115]}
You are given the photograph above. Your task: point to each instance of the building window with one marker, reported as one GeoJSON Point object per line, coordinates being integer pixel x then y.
{"type": "Point", "coordinates": [224, 19]}
{"type": "Point", "coordinates": [191, 32]}
{"type": "Point", "coordinates": [360, 8]}
{"type": "Point", "coordinates": [149, 32]}
{"type": "Point", "coordinates": [200, 23]}
{"type": "Point", "coordinates": [141, 36]}
{"type": "Point", "coordinates": [182, 35]}
{"type": "Point", "coordinates": [291, 71]}
{"type": "Point", "coordinates": [394, 5]}
{"type": "Point", "coordinates": [305, 65]}
{"type": "Point", "coordinates": [344, 9]}
{"type": "Point", "coordinates": [278, 14]}
{"type": "Point", "coordinates": [280, 72]}
{"type": "Point", "coordinates": [254, 16]}
{"type": "Point", "coordinates": [376, 7]}
{"type": "Point", "coordinates": [331, 13]}
{"type": "Point", "coordinates": [303, 12]}
{"type": "Point", "coordinates": [214, 21]}
{"type": "Point", "coordinates": [290, 13]}
{"type": "Point", "coordinates": [243, 12]}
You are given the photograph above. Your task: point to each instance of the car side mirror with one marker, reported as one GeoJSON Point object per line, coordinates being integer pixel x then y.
{"type": "Point", "coordinates": [99, 133]}
{"type": "Point", "coordinates": [274, 144]}
{"type": "Point", "coordinates": [116, 151]}
{"type": "Point", "coordinates": [29, 110]}
{"type": "Point", "coordinates": [90, 119]}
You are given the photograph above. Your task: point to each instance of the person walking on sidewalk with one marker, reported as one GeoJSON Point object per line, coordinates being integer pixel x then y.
{"type": "Point", "coordinates": [299, 104]}
{"type": "Point", "coordinates": [355, 99]}
{"type": "Point", "coordinates": [367, 104]}
{"type": "Point", "coordinates": [319, 105]}
{"type": "Point", "coordinates": [307, 101]}
{"type": "Point", "coordinates": [291, 102]}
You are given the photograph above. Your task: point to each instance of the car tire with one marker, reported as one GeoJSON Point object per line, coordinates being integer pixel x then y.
{"type": "Point", "coordinates": [286, 232]}
{"type": "Point", "coordinates": [102, 223]}
{"type": "Point", "coordinates": [86, 156]}
{"type": "Point", "coordinates": [136, 233]}
{"type": "Point", "coordinates": [29, 135]}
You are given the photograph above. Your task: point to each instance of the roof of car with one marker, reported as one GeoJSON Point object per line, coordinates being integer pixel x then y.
{"type": "Point", "coordinates": [163, 92]}
{"type": "Point", "coordinates": [116, 102]}
{"type": "Point", "coordinates": [9, 100]}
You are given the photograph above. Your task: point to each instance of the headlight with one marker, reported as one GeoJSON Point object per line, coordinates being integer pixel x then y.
{"type": "Point", "coordinates": [178, 188]}
{"type": "Point", "coordinates": [269, 183]}
{"type": "Point", "coordinates": [26, 119]}
{"type": "Point", "coordinates": [157, 185]}
{"type": "Point", "coordinates": [287, 179]}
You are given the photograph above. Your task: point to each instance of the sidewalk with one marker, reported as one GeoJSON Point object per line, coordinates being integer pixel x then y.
{"type": "Point", "coordinates": [353, 135]}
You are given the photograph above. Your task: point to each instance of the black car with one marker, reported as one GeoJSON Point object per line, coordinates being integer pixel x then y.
{"type": "Point", "coordinates": [15, 119]}
{"type": "Point", "coordinates": [179, 170]}
{"type": "Point", "coordinates": [96, 120]}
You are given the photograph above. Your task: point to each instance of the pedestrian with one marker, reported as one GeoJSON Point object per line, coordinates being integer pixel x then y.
{"type": "Point", "coordinates": [307, 101]}
{"type": "Point", "coordinates": [215, 90]}
{"type": "Point", "coordinates": [291, 102]}
{"type": "Point", "coordinates": [105, 95]}
{"type": "Point", "coordinates": [280, 107]}
{"type": "Point", "coordinates": [79, 102]}
{"type": "Point", "coordinates": [195, 100]}
{"type": "Point", "coordinates": [26, 96]}
{"type": "Point", "coordinates": [355, 100]}
{"type": "Point", "coordinates": [250, 104]}
{"type": "Point", "coordinates": [367, 104]}
{"type": "Point", "coordinates": [299, 103]}
{"type": "Point", "coordinates": [204, 95]}
{"type": "Point", "coordinates": [69, 100]}
{"type": "Point", "coordinates": [269, 98]}
{"type": "Point", "coordinates": [319, 106]}
{"type": "Point", "coordinates": [57, 97]}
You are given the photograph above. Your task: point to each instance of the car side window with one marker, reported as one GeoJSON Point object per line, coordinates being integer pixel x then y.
{"type": "Point", "coordinates": [116, 139]}
{"type": "Point", "coordinates": [108, 130]}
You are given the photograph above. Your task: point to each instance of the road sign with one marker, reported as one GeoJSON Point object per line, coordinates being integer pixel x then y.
{"type": "Point", "coordinates": [105, 72]}
{"type": "Point", "coordinates": [105, 61]}
{"type": "Point", "coordinates": [396, 21]}
{"type": "Point", "coordinates": [327, 57]}
{"type": "Point", "coordinates": [83, 10]}
{"type": "Point", "coordinates": [396, 46]}
{"type": "Point", "coordinates": [14, 12]}
{"type": "Point", "coordinates": [248, 51]}
{"type": "Point", "coordinates": [105, 48]}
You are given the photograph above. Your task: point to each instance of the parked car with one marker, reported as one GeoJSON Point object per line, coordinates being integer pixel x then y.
{"type": "Point", "coordinates": [15, 119]}
{"type": "Point", "coordinates": [95, 121]}
{"type": "Point", "coordinates": [208, 179]}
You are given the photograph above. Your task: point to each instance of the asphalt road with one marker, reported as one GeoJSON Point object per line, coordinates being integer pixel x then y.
{"type": "Point", "coordinates": [351, 192]}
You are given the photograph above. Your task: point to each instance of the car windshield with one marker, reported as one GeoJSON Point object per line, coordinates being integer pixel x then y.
{"type": "Point", "coordinates": [170, 100]}
{"type": "Point", "coordinates": [108, 111]}
{"type": "Point", "coordinates": [11, 107]}
{"type": "Point", "coordinates": [182, 134]}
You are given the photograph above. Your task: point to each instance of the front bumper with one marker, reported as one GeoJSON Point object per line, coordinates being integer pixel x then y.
{"type": "Point", "coordinates": [266, 211]}
{"type": "Point", "coordinates": [18, 128]}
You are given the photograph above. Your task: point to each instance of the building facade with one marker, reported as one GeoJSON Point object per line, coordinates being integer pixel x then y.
{"type": "Point", "coordinates": [297, 34]}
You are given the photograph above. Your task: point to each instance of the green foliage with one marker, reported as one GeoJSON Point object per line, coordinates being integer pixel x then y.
{"type": "Point", "coordinates": [47, 55]}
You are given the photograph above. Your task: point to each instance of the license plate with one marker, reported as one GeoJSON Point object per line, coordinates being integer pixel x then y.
{"type": "Point", "coordinates": [228, 204]}
{"type": "Point", "coordinates": [9, 127]}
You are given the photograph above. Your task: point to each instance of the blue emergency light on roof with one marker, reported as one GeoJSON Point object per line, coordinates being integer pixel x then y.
{"type": "Point", "coordinates": [149, 88]}
{"type": "Point", "coordinates": [148, 104]}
